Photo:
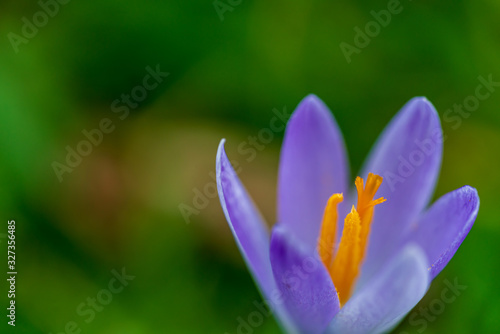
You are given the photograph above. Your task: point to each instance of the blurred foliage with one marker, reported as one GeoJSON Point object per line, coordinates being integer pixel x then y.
{"type": "Point", "coordinates": [120, 206]}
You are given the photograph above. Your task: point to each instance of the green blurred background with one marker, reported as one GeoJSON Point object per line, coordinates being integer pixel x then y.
{"type": "Point", "coordinates": [120, 207]}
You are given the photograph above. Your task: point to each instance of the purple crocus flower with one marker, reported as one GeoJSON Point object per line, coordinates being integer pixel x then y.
{"type": "Point", "coordinates": [362, 274]}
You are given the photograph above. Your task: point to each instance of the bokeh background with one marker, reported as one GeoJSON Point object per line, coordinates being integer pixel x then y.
{"type": "Point", "coordinates": [120, 206]}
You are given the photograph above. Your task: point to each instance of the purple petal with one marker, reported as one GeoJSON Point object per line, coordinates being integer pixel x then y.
{"type": "Point", "coordinates": [385, 300]}
{"type": "Point", "coordinates": [408, 155]}
{"type": "Point", "coordinates": [249, 230]}
{"type": "Point", "coordinates": [313, 166]}
{"type": "Point", "coordinates": [441, 230]}
{"type": "Point", "coordinates": [307, 290]}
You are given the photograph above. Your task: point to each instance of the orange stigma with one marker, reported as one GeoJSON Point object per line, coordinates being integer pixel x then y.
{"type": "Point", "coordinates": [344, 264]}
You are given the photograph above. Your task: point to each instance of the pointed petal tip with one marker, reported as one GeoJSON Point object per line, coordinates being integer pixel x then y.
{"type": "Point", "coordinates": [470, 198]}
{"type": "Point", "coordinates": [221, 154]}
{"type": "Point", "coordinates": [423, 107]}
{"type": "Point", "coordinates": [471, 194]}
{"type": "Point", "coordinates": [312, 103]}
{"type": "Point", "coordinates": [470, 190]}
{"type": "Point", "coordinates": [311, 97]}
{"type": "Point", "coordinates": [313, 111]}
{"type": "Point", "coordinates": [221, 146]}
{"type": "Point", "coordinates": [422, 101]}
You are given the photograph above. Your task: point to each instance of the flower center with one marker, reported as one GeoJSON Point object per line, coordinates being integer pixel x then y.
{"type": "Point", "coordinates": [343, 265]}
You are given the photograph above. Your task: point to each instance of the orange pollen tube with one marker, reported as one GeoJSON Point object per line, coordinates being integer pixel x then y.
{"type": "Point", "coordinates": [344, 265]}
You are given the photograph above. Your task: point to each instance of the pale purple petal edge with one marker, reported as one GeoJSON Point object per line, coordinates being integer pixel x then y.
{"type": "Point", "coordinates": [250, 233]}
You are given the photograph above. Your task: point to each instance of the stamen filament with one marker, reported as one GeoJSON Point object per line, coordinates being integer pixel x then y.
{"type": "Point", "coordinates": [344, 266]}
{"type": "Point", "coordinates": [329, 230]}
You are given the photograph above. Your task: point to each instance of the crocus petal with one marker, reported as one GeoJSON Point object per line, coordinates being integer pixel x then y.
{"type": "Point", "coordinates": [249, 230]}
{"type": "Point", "coordinates": [313, 166]}
{"type": "Point", "coordinates": [408, 155]}
{"type": "Point", "coordinates": [385, 300]}
{"type": "Point", "coordinates": [306, 288]}
{"type": "Point", "coordinates": [441, 230]}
